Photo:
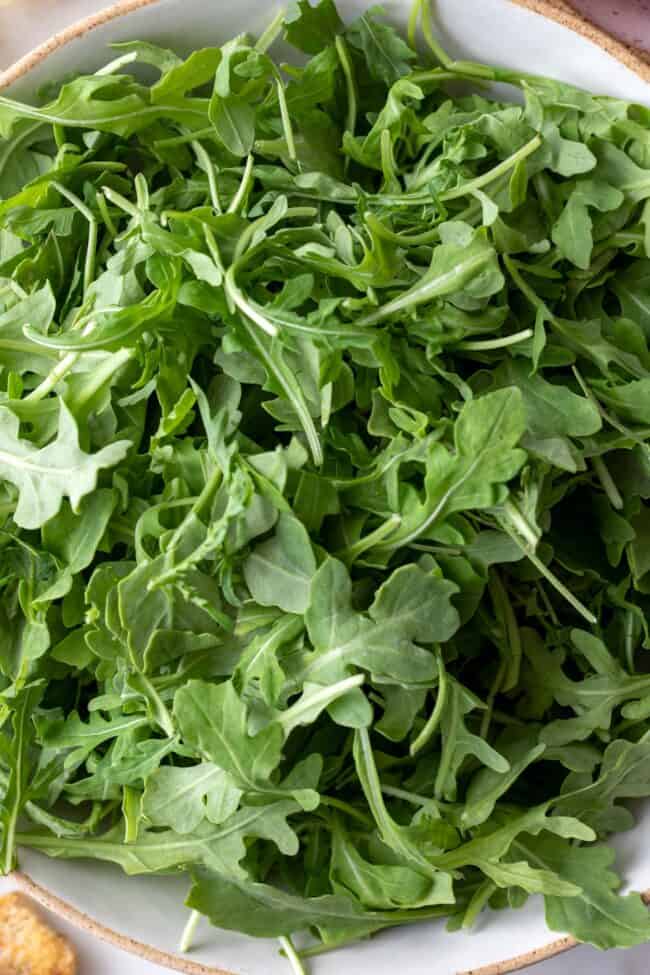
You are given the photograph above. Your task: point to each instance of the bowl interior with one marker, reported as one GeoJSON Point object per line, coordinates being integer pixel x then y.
{"type": "Point", "coordinates": [502, 32]}
{"type": "Point", "coordinates": [150, 909]}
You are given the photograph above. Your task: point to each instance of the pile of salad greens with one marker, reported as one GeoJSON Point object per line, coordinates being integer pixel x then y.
{"type": "Point", "coordinates": [325, 482]}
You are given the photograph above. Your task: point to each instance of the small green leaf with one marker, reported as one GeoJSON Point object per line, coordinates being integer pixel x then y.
{"type": "Point", "coordinates": [45, 476]}
{"type": "Point", "coordinates": [312, 28]}
{"type": "Point", "coordinates": [387, 55]}
{"type": "Point", "coordinates": [182, 798]}
{"type": "Point", "coordinates": [279, 572]}
{"type": "Point", "coordinates": [233, 119]}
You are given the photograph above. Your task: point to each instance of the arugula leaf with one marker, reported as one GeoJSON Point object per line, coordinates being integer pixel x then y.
{"type": "Point", "coordinates": [343, 638]}
{"type": "Point", "coordinates": [387, 55]}
{"type": "Point", "coordinates": [599, 913]}
{"type": "Point", "coordinates": [71, 732]}
{"type": "Point", "coordinates": [16, 792]}
{"type": "Point", "coordinates": [61, 469]}
{"type": "Point", "coordinates": [222, 847]}
{"type": "Point", "coordinates": [75, 538]}
{"type": "Point", "coordinates": [279, 572]}
{"type": "Point", "coordinates": [312, 28]}
{"type": "Point", "coordinates": [234, 123]}
{"type": "Point", "coordinates": [573, 231]}
{"type": "Point", "coordinates": [458, 741]}
{"type": "Point", "coordinates": [266, 911]}
{"type": "Point", "coordinates": [16, 351]}
{"type": "Point", "coordinates": [179, 77]}
{"type": "Point", "coordinates": [399, 839]}
{"type": "Point", "coordinates": [622, 775]}
{"type": "Point", "coordinates": [213, 719]}
{"type": "Point", "coordinates": [465, 261]}
{"type": "Point", "coordinates": [324, 421]}
{"type": "Point", "coordinates": [485, 437]}
{"type": "Point", "coordinates": [417, 604]}
{"type": "Point", "coordinates": [488, 784]}
{"type": "Point", "coordinates": [379, 886]}
{"type": "Point", "coordinates": [551, 410]}
{"type": "Point", "coordinates": [182, 798]}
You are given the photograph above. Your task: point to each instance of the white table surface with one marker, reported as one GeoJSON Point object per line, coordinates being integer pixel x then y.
{"type": "Point", "coordinates": [23, 25]}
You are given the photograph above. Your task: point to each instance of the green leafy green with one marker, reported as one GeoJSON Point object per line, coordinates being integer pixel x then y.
{"type": "Point", "coordinates": [325, 482]}
{"type": "Point", "coordinates": [61, 469]}
{"type": "Point", "coordinates": [387, 55]}
{"type": "Point", "coordinates": [312, 28]}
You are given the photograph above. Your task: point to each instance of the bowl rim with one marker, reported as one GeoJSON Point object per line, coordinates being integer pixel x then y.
{"type": "Point", "coordinates": [62, 909]}
{"type": "Point", "coordinates": [556, 10]}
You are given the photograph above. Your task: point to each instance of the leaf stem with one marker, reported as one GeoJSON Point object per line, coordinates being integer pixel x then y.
{"type": "Point", "coordinates": [187, 937]}
{"type": "Point", "coordinates": [199, 507]}
{"type": "Point", "coordinates": [141, 192]}
{"type": "Point", "coordinates": [244, 186]}
{"type": "Point", "coordinates": [609, 487]}
{"type": "Point", "coordinates": [486, 345]}
{"type": "Point", "coordinates": [322, 698]}
{"type": "Point", "coordinates": [612, 420]}
{"type": "Point", "coordinates": [388, 159]}
{"type": "Point", "coordinates": [628, 631]}
{"type": "Point", "coordinates": [428, 288]}
{"type": "Point", "coordinates": [207, 165]}
{"type": "Point", "coordinates": [160, 710]}
{"type": "Point", "coordinates": [497, 686]}
{"type": "Point", "coordinates": [509, 677]}
{"type": "Point", "coordinates": [431, 725]}
{"type": "Point", "coordinates": [292, 955]}
{"type": "Point", "coordinates": [421, 11]}
{"type": "Point", "coordinates": [276, 367]}
{"type": "Point", "coordinates": [271, 33]}
{"type": "Point", "coordinates": [60, 370]}
{"type": "Point", "coordinates": [525, 288]}
{"type": "Point", "coordinates": [346, 808]}
{"type": "Point", "coordinates": [412, 797]}
{"type": "Point", "coordinates": [15, 796]}
{"type": "Point", "coordinates": [131, 799]}
{"type": "Point", "coordinates": [406, 240]}
{"type": "Point", "coordinates": [521, 523]}
{"type": "Point", "coordinates": [286, 120]}
{"type": "Point", "coordinates": [427, 29]}
{"type": "Point", "coordinates": [352, 552]}
{"type": "Point", "coordinates": [549, 575]}
{"type": "Point", "coordinates": [180, 140]}
{"type": "Point", "coordinates": [106, 216]}
{"type": "Point", "coordinates": [36, 813]}
{"type": "Point", "coordinates": [117, 63]}
{"type": "Point", "coordinates": [350, 84]}
{"type": "Point", "coordinates": [414, 18]}
{"type": "Point", "coordinates": [83, 122]}
{"type": "Point", "coordinates": [244, 306]}
{"type": "Point", "coordinates": [121, 201]}
{"type": "Point", "coordinates": [389, 830]}
{"type": "Point", "coordinates": [91, 245]}
{"type": "Point", "coordinates": [478, 902]}
{"type": "Point", "coordinates": [507, 164]}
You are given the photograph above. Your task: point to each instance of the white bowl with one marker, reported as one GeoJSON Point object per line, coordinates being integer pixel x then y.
{"type": "Point", "coordinates": [146, 915]}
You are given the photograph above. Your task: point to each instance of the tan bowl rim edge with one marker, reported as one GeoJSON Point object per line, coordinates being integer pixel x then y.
{"type": "Point", "coordinates": [62, 909]}
{"type": "Point", "coordinates": [546, 8]}
{"type": "Point", "coordinates": [560, 12]}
